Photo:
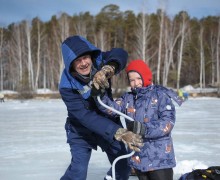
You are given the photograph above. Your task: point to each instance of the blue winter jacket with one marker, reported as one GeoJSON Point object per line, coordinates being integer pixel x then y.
{"type": "Point", "coordinates": [83, 113]}
{"type": "Point", "coordinates": [153, 107]}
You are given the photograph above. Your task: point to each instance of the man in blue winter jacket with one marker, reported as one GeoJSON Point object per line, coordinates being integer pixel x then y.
{"type": "Point", "coordinates": [86, 127]}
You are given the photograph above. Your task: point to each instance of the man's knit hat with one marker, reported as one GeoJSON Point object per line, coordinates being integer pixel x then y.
{"type": "Point", "coordinates": [141, 68]}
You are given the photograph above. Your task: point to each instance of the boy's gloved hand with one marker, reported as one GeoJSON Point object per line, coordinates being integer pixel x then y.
{"type": "Point", "coordinates": [100, 79]}
{"type": "Point", "coordinates": [136, 127]}
{"type": "Point", "coordinates": [134, 141]}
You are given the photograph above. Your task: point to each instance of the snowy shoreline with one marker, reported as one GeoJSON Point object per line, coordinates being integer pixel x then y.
{"type": "Point", "coordinates": [48, 94]}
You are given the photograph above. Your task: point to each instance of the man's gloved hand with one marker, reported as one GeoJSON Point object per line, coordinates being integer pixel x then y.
{"type": "Point", "coordinates": [134, 141]}
{"type": "Point", "coordinates": [136, 127]}
{"type": "Point", "coordinates": [100, 79]}
{"type": "Point", "coordinates": [97, 92]}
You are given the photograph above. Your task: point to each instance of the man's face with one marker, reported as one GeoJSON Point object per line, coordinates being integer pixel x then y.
{"type": "Point", "coordinates": [83, 64]}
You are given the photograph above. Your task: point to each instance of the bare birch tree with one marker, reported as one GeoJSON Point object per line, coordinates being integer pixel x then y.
{"type": "Point", "coordinates": [80, 27]}
{"type": "Point", "coordinates": [16, 54]}
{"type": "Point", "coordinates": [18, 50]}
{"type": "Point", "coordinates": [170, 40]}
{"type": "Point", "coordinates": [44, 73]}
{"type": "Point", "coordinates": [1, 64]}
{"type": "Point", "coordinates": [202, 63]}
{"type": "Point", "coordinates": [40, 38]}
{"type": "Point", "coordinates": [212, 54]}
{"type": "Point", "coordinates": [64, 27]}
{"type": "Point", "coordinates": [102, 40]}
{"type": "Point", "coordinates": [29, 56]}
{"type": "Point", "coordinates": [183, 28]}
{"type": "Point", "coordinates": [143, 36]}
{"type": "Point", "coordinates": [217, 57]}
{"type": "Point", "coordinates": [160, 45]}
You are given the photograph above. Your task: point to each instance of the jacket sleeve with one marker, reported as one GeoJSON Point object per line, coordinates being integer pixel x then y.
{"type": "Point", "coordinates": [78, 109]}
{"type": "Point", "coordinates": [162, 126]}
{"type": "Point", "coordinates": [117, 104]}
{"type": "Point", "coordinates": [118, 56]}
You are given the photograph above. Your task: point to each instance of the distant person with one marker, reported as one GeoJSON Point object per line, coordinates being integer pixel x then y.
{"type": "Point", "coordinates": [154, 113]}
{"type": "Point", "coordinates": [183, 95]}
{"type": "Point", "coordinates": [87, 127]}
{"type": "Point", "coordinates": [186, 96]}
{"type": "Point", "coordinates": [180, 93]}
{"type": "Point", "coordinates": [2, 97]}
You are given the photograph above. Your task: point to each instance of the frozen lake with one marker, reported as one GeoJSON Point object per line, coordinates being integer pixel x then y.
{"type": "Point", "coordinates": [33, 141]}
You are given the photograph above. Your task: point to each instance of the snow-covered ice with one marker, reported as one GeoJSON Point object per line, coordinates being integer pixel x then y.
{"type": "Point", "coordinates": [33, 141]}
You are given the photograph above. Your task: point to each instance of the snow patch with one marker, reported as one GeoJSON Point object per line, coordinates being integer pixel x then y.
{"type": "Point", "coordinates": [186, 166]}
{"type": "Point", "coordinates": [8, 92]}
{"type": "Point", "coordinates": [188, 88]}
{"type": "Point", "coordinates": [44, 91]}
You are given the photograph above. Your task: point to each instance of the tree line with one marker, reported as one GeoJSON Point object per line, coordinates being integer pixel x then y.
{"type": "Point", "coordinates": [180, 50]}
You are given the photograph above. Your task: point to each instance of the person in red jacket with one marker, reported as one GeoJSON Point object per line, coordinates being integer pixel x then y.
{"type": "Point", "coordinates": [86, 127]}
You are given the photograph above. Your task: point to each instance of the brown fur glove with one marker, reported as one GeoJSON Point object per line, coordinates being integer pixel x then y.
{"type": "Point", "coordinates": [134, 141]}
{"type": "Point", "coordinates": [100, 79]}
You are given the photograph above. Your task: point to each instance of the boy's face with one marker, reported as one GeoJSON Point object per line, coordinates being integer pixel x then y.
{"type": "Point", "coordinates": [83, 64]}
{"type": "Point", "coordinates": [135, 80]}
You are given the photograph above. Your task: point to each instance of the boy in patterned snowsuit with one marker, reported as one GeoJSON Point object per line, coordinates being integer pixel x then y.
{"type": "Point", "coordinates": [154, 117]}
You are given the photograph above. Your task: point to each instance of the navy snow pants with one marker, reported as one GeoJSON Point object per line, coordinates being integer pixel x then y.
{"type": "Point", "coordinates": [81, 154]}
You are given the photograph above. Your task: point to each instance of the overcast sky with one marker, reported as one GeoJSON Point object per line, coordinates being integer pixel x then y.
{"type": "Point", "coordinates": [17, 10]}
